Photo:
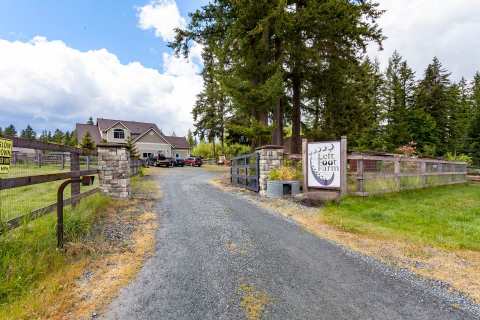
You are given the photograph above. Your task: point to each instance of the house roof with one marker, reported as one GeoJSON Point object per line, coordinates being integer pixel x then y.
{"type": "Point", "coordinates": [82, 130]}
{"type": "Point", "coordinates": [138, 137]}
{"type": "Point", "coordinates": [135, 128]}
{"type": "Point", "coordinates": [178, 142]}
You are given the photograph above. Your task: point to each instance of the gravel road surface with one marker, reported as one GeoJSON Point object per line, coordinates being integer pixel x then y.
{"type": "Point", "coordinates": [218, 254]}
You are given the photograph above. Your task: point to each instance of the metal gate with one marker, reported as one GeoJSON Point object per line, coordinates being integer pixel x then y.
{"type": "Point", "coordinates": [245, 171]}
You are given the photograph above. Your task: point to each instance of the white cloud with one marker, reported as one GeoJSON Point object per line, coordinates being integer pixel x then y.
{"type": "Point", "coordinates": [163, 16]}
{"type": "Point", "coordinates": [422, 29]}
{"type": "Point", "coordinates": [49, 84]}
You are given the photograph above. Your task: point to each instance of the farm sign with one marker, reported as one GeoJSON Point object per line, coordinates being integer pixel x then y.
{"type": "Point", "coordinates": [6, 147]}
{"type": "Point", "coordinates": [324, 165]}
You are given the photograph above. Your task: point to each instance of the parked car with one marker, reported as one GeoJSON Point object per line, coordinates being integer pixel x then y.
{"type": "Point", "coordinates": [194, 162]}
{"type": "Point", "coordinates": [163, 161]}
{"type": "Point", "coordinates": [179, 162]}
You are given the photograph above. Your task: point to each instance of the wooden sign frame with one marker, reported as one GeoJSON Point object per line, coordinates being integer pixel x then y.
{"type": "Point", "coordinates": [342, 190]}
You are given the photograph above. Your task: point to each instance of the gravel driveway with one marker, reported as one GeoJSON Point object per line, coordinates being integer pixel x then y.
{"type": "Point", "coordinates": [218, 254]}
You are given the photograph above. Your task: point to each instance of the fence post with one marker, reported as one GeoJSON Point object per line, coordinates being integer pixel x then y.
{"type": "Point", "coordinates": [88, 162]}
{"type": "Point", "coordinates": [63, 161]}
{"type": "Point", "coordinates": [343, 167]}
{"type": "Point", "coordinates": [75, 167]}
{"type": "Point", "coordinates": [360, 176]}
{"type": "Point", "coordinates": [423, 171]}
{"type": "Point", "coordinates": [397, 171]}
{"type": "Point", "coordinates": [304, 165]}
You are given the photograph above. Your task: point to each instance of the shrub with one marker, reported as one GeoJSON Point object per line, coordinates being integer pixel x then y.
{"type": "Point", "coordinates": [288, 171]}
{"type": "Point", "coordinates": [459, 157]}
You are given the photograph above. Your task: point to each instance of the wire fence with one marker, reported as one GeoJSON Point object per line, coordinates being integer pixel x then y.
{"type": "Point", "coordinates": [33, 162]}
{"type": "Point", "coordinates": [369, 174]}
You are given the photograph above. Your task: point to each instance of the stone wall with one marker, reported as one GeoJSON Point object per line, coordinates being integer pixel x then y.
{"type": "Point", "coordinates": [114, 170]}
{"type": "Point", "coordinates": [271, 157]}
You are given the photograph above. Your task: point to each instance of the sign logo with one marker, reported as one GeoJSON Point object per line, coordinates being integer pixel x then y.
{"type": "Point", "coordinates": [6, 151]}
{"type": "Point", "coordinates": [324, 164]}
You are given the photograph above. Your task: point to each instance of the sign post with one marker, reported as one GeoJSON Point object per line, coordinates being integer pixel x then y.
{"type": "Point", "coordinates": [6, 151]}
{"type": "Point", "coordinates": [325, 165]}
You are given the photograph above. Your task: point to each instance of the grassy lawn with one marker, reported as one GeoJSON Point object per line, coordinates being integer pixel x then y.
{"type": "Point", "coordinates": [28, 254]}
{"type": "Point", "coordinates": [37, 281]}
{"type": "Point", "coordinates": [446, 217]}
{"type": "Point", "coordinates": [19, 201]}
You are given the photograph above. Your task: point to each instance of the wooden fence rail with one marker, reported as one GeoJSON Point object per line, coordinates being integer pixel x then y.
{"type": "Point", "coordinates": [381, 174]}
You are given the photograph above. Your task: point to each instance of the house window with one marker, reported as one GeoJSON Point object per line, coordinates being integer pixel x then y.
{"type": "Point", "coordinates": [118, 134]}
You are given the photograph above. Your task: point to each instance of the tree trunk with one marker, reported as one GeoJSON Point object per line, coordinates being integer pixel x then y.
{"type": "Point", "coordinates": [296, 140]}
{"type": "Point", "coordinates": [277, 137]}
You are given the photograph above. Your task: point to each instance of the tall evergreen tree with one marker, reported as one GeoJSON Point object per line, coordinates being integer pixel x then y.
{"type": "Point", "coordinates": [473, 139]}
{"type": "Point", "coordinates": [190, 139]}
{"type": "Point", "coordinates": [44, 136]}
{"type": "Point", "coordinates": [58, 136]}
{"type": "Point", "coordinates": [10, 131]}
{"type": "Point", "coordinates": [28, 133]}
{"type": "Point", "coordinates": [399, 99]}
{"type": "Point", "coordinates": [460, 116]}
{"type": "Point", "coordinates": [87, 142]}
{"type": "Point", "coordinates": [433, 98]}
{"type": "Point", "coordinates": [90, 121]}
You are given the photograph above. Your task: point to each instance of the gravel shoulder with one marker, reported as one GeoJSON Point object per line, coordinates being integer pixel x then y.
{"type": "Point", "coordinates": [220, 256]}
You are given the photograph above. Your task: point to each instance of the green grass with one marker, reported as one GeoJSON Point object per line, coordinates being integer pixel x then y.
{"type": "Point", "coordinates": [28, 254]}
{"type": "Point", "coordinates": [19, 201]}
{"type": "Point", "coordinates": [447, 217]}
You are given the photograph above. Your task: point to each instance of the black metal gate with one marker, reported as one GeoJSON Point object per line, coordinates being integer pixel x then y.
{"type": "Point", "coordinates": [245, 171]}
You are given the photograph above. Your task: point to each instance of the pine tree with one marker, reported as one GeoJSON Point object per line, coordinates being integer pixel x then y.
{"type": "Point", "coordinates": [132, 148]}
{"type": "Point", "coordinates": [90, 121]}
{"type": "Point", "coordinates": [28, 133]}
{"type": "Point", "coordinates": [190, 139]}
{"type": "Point", "coordinates": [399, 99]}
{"type": "Point", "coordinates": [473, 139]}
{"type": "Point", "coordinates": [460, 116]}
{"type": "Point", "coordinates": [1, 131]}
{"type": "Point", "coordinates": [10, 131]}
{"type": "Point", "coordinates": [87, 142]}
{"type": "Point", "coordinates": [433, 98]}
{"type": "Point", "coordinates": [58, 136]}
{"type": "Point", "coordinates": [44, 136]}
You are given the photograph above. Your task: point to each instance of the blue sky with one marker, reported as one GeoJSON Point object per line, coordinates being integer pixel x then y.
{"type": "Point", "coordinates": [64, 61]}
{"type": "Point", "coordinates": [87, 25]}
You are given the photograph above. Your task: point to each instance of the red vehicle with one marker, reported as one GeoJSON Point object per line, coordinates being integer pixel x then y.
{"type": "Point", "coordinates": [193, 161]}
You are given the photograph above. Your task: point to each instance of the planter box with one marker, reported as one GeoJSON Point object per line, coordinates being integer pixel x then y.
{"type": "Point", "coordinates": [279, 189]}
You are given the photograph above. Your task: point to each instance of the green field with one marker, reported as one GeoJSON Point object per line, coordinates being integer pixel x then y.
{"type": "Point", "coordinates": [20, 201]}
{"type": "Point", "coordinates": [447, 217]}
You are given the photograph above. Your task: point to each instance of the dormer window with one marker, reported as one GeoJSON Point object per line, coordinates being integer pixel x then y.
{"type": "Point", "coordinates": [118, 134]}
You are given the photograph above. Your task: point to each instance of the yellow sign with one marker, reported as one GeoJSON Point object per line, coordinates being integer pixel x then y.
{"type": "Point", "coordinates": [6, 151]}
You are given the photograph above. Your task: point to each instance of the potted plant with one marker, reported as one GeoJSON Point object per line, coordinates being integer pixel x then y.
{"type": "Point", "coordinates": [284, 181]}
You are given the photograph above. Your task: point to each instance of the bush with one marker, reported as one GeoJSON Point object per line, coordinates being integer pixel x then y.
{"type": "Point", "coordinates": [459, 157]}
{"type": "Point", "coordinates": [289, 171]}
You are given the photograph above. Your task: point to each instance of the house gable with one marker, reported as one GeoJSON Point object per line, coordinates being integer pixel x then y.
{"type": "Point", "coordinates": [109, 133]}
{"type": "Point", "coordinates": [151, 136]}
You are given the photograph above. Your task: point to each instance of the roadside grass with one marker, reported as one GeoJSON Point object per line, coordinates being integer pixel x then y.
{"type": "Point", "coordinates": [216, 168]}
{"type": "Point", "coordinates": [446, 217]}
{"type": "Point", "coordinates": [432, 232]}
{"type": "Point", "coordinates": [107, 242]}
{"type": "Point", "coordinates": [20, 201]}
{"type": "Point", "coordinates": [28, 257]}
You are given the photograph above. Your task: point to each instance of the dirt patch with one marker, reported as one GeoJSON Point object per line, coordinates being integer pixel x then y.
{"type": "Point", "coordinates": [458, 268]}
{"type": "Point", "coordinates": [253, 301]}
{"type": "Point", "coordinates": [120, 244]}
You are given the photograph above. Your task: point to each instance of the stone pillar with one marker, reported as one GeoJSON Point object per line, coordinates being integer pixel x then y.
{"type": "Point", "coordinates": [114, 170]}
{"type": "Point", "coordinates": [271, 157]}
